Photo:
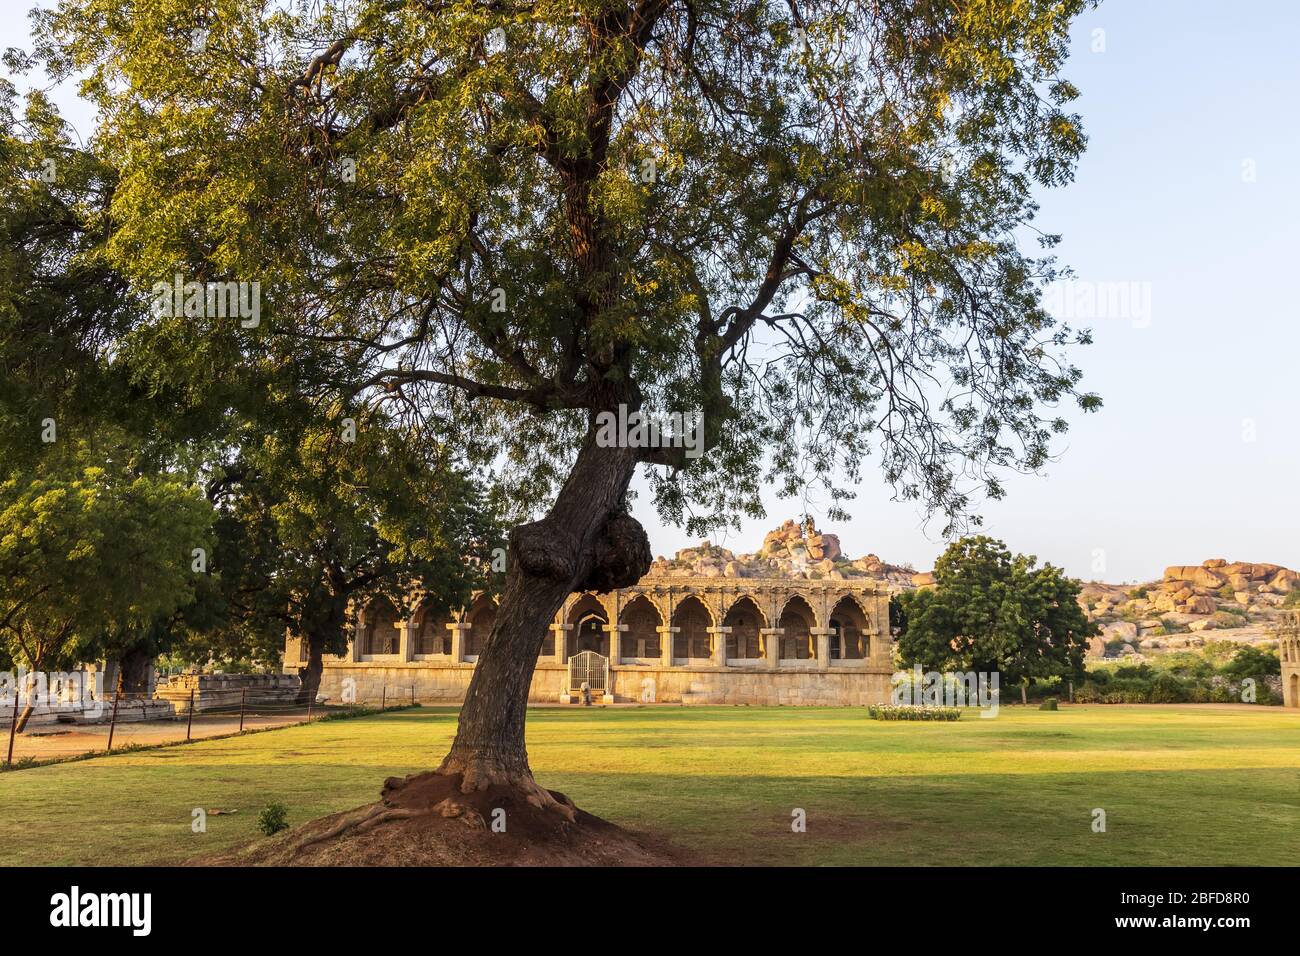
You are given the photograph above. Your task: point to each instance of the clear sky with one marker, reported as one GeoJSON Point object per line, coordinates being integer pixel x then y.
{"type": "Point", "coordinates": [1191, 184]}
{"type": "Point", "coordinates": [1189, 193]}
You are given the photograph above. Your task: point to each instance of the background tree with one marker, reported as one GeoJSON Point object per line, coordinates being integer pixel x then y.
{"type": "Point", "coordinates": [90, 552]}
{"type": "Point", "coordinates": [989, 611]}
{"type": "Point", "coordinates": [798, 220]}
{"type": "Point", "coordinates": [62, 307]}
{"type": "Point", "coordinates": [317, 518]}
{"type": "Point", "coordinates": [64, 313]}
{"type": "Point", "coordinates": [308, 518]}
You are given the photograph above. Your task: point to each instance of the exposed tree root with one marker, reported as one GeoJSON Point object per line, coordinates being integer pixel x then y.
{"type": "Point", "coordinates": [365, 819]}
{"type": "Point", "coordinates": [436, 819]}
{"type": "Point", "coordinates": [479, 773]}
{"type": "Point", "coordinates": [480, 778]}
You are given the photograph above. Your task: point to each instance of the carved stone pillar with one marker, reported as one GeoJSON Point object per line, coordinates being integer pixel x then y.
{"type": "Point", "coordinates": [822, 635]}
{"type": "Point", "coordinates": [719, 645]}
{"type": "Point", "coordinates": [666, 644]}
{"type": "Point", "coordinates": [561, 632]}
{"type": "Point", "coordinates": [615, 632]}
{"type": "Point", "coordinates": [358, 640]}
{"type": "Point", "coordinates": [458, 639]}
{"type": "Point", "coordinates": [772, 645]}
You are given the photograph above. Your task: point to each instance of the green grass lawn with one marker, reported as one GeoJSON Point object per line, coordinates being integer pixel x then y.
{"type": "Point", "coordinates": [1179, 785]}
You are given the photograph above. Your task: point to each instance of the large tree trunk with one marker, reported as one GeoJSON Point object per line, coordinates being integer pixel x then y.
{"type": "Point", "coordinates": [134, 665]}
{"type": "Point", "coordinates": [29, 708]}
{"type": "Point", "coordinates": [310, 675]}
{"type": "Point", "coordinates": [586, 542]}
{"type": "Point", "coordinates": [323, 632]}
{"type": "Point", "coordinates": [24, 716]}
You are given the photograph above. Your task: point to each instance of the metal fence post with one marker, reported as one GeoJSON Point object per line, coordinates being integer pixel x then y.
{"type": "Point", "coordinates": [13, 728]}
{"type": "Point", "coordinates": [117, 699]}
{"type": "Point", "coordinates": [243, 696]}
{"type": "Point", "coordinates": [189, 723]}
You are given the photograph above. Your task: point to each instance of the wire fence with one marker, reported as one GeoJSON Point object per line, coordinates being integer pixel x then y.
{"type": "Point", "coordinates": [143, 720]}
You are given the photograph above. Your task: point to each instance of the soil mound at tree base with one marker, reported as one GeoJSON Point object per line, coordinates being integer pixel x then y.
{"type": "Point", "coordinates": [424, 820]}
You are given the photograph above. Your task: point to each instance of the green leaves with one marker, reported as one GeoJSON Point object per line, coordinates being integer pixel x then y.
{"type": "Point", "coordinates": [990, 610]}
{"type": "Point", "coordinates": [89, 551]}
{"type": "Point", "coordinates": [319, 516]}
{"type": "Point", "coordinates": [820, 260]}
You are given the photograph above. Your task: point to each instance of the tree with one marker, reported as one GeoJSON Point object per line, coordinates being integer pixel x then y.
{"type": "Point", "coordinates": [512, 220]}
{"type": "Point", "coordinates": [1252, 662]}
{"type": "Point", "coordinates": [309, 516]}
{"type": "Point", "coordinates": [89, 553]}
{"type": "Point", "coordinates": [62, 308]}
{"type": "Point", "coordinates": [315, 518]}
{"type": "Point", "coordinates": [989, 611]}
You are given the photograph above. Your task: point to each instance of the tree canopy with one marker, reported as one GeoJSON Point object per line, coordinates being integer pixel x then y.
{"type": "Point", "coordinates": [315, 522]}
{"type": "Point", "coordinates": [798, 220]}
{"type": "Point", "coordinates": [990, 611]}
{"type": "Point", "coordinates": [90, 554]}
{"type": "Point", "coordinates": [312, 509]}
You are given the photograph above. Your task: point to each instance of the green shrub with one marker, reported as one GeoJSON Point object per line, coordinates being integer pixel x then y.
{"type": "Point", "coordinates": [1049, 704]}
{"type": "Point", "coordinates": [1167, 689]}
{"type": "Point", "coordinates": [1185, 664]}
{"type": "Point", "coordinates": [1220, 650]}
{"type": "Point", "coordinates": [1053, 686]}
{"type": "Point", "coordinates": [1128, 690]}
{"type": "Point", "coordinates": [1266, 697]}
{"type": "Point", "coordinates": [1127, 671]}
{"type": "Point", "coordinates": [908, 712]}
{"type": "Point", "coordinates": [1248, 661]}
{"type": "Point", "coordinates": [273, 819]}
{"type": "Point", "coordinates": [1223, 694]}
{"type": "Point", "coordinates": [1212, 674]}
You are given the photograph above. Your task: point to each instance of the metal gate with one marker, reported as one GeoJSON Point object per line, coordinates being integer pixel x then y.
{"type": "Point", "coordinates": [590, 668]}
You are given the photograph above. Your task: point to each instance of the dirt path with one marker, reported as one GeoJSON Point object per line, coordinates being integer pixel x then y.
{"type": "Point", "coordinates": [67, 741]}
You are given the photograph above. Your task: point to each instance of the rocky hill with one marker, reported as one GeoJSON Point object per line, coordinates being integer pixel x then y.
{"type": "Point", "coordinates": [1241, 599]}
{"type": "Point", "coordinates": [794, 550]}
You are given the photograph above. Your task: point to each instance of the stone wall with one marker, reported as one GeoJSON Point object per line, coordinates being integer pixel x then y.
{"type": "Point", "coordinates": [47, 713]}
{"type": "Point", "coordinates": [446, 683]}
{"type": "Point", "coordinates": [819, 641]}
{"type": "Point", "coordinates": [224, 691]}
{"type": "Point", "coordinates": [72, 697]}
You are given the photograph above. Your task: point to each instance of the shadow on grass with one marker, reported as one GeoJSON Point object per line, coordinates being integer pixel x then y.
{"type": "Point", "coordinates": [1203, 817]}
{"type": "Point", "coordinates": [1244, 817]}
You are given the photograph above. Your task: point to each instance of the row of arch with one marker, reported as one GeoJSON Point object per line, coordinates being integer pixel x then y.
{"type": "Point", "coordinates": [746, 630]}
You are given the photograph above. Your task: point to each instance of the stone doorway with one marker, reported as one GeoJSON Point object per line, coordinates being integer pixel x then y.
{"type": "Point", "coordinates": [587, 619]}
{"type": "Point", "coordinates": [592, 636]}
